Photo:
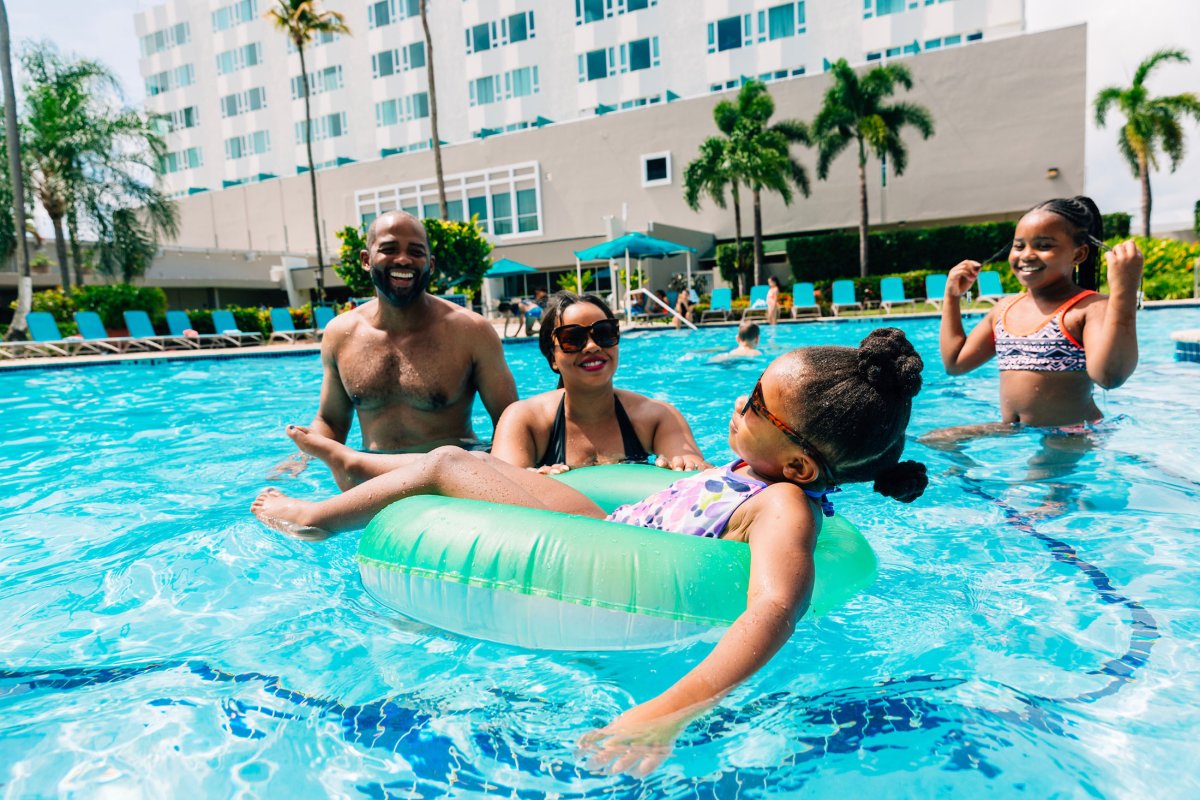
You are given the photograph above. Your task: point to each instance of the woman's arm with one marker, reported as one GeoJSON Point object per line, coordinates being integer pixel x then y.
{"type": "Point", "coordinates": [672, 440]}
{"type": "Point", "coordinates": [962, 353]}
{"type": "Point", "coordinates": [782, 533]}
{"type": "Point", "coordinates": [1110, 328]}
{"type": "Point", "coordinates": [514, 439]}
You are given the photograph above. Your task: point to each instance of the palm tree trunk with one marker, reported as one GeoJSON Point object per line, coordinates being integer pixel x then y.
{"type": "Point", "coordinates": [443, 209]}
{"type": "Point", "coordinates": [758, 242]}
{"type": "Point", "coordinates": [862, 211]}
{"type": "Point", "coordinates": [312, 176]}
{"type": "Point", "coordinates": [737, 238]}
{"type": "Point", "coordinates": [60, 250]}
{"type": "Point", "coordinates": [16, 179]}
{"type": "Point", "coordinates": [1144, 176]}
{"type": "Point", "coordinates": [76, 250]}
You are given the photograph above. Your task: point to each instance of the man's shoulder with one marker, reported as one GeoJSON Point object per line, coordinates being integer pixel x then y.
{"type": "Point", "coordinates": [454, 315]}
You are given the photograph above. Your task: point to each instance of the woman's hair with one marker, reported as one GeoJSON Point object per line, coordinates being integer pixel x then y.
{"type": "Point", "coordinates": [853, 404]}
{"type": "Point", "coordinates": [1087, 226]}
{"type": "Point", "coordinates": [556, 304]}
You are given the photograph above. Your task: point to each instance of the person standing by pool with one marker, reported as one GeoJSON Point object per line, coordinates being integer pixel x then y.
{"type": "Point", "coordinates": [773, 300]}
{"type": "Point", "coordinates": [1059, 337]}
{"type": "Point", "coordinates": [407, 363]}
{"type": "Point", "coordinates": [817, 418]}
{"type": "Point", "coordinates": [585, 421]}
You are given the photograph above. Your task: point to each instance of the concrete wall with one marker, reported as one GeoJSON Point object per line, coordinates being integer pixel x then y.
{"type": "Point", "coordinates": [1005, 112]}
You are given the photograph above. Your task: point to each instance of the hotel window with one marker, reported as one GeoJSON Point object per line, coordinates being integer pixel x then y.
{"type": "Point", "coordinates": [235, 14]}
{"type": "Point", "coordinates": [640, 55]}
{"type": "Point", "coordinates": [402, 109]}
{"type": "Point", "coordinates": [482, 37]}
{"type": "Point", "coordinates": [780, 22]}
{"type": "Point", "coordinates": [318, 39]}
{"type": "Point", "coordinates": [319, 82]}
{"type": "Point", "coordinates": [242, 102]}
{"type": "Point", "coordinates": [595, 10]}
{"type": "Point", "coordinates": [505, 200]}
{"type": "Point", "coordinates": [239, 58]}
{"type": "Point", "coordinates": [517, 27]}
{"type": "Point", "coordinates": [330, 126]}
{"type": "Point", "coordinates": [183, 118]}
{"type": "Point", "coordinates": [485, 90]}
{"type": "Point", "coordinates": [181, 160]}
{"type": "Point", "coordinates": [166, 39]}
{"type": "Point", "coordinates": [509, 30]}
{"type": "Point", "coordinates": [184, 75]}
{"type": "Point", "coordinates": [521, 82]}
{"type": "Point", "coordinates": [656, 169]}
{"type": "Point", "coordinates": [730, 33]}
{"type": "Point", "coordinates": [250, 144]}
{"type": "Point", "coordinates": [385, 12]}
{"type": "Point", "coordinates": [596, 65]}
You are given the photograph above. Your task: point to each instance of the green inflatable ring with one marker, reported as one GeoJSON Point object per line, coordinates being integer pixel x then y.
{"type": "Point", "coordinates": [556, 581]}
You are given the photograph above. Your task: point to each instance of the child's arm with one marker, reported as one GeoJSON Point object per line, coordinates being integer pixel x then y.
{"type": "Point", "coordinates": [1110, 329]}
{"type": "Point", "coordinates": [962, 353]}
{"type": "Point", "coordinates": [782, 533]}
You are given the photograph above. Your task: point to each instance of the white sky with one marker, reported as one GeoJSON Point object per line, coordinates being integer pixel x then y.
{"type": "Point", "coordinates": [1120, 34]}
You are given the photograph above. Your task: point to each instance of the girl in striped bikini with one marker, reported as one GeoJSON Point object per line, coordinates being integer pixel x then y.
{"type": "Point", "coordinates": [1058, 338]}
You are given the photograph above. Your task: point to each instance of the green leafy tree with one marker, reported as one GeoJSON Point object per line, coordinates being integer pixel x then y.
{"type": "Point", "coordinates": [349, 263]}
{"type": "Point", "coordinates": [568, 282]}
{"type": "Point", "coordinates": [1152, 124]}
{"type": "Point", "coordinates": [710, 174]}
{"type": "Point", "coordinates": [300, 21]}
{"type": "Point", "coordinates": [856, 111]}
{"type": "Point", "coordinates": [460, 252]}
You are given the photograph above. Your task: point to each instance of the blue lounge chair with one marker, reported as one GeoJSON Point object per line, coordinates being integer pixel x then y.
{"type": "Point", "coordinates": [284, 329]}
{"type": "Point", "coordinates": [323, 315]}
{"type": "Point", "coordinates": [226, 325]}
{"type": "Point", "coordinates": [891, 293]}
{"type": "Point", "coordinates": [804, 301]}
{"type": "Point", "coordinates": [178, 322]}
{"type": "Point", "coordinates": [47, 340]}
{"type": "Point", "coordinates": [758, 302]}
{"type": "Point", "coordinates": [140, 330]}
{"type": "Point", "coordinates": [91, 327]}
{"type": "Point", "coordinates": [935, 290]}
{"type": "Point", "coordinates": [721, 303]}
{"type": "Point", "coordinates": [843, 296]}
{"type": "Point", "coordinates": [989, 288]}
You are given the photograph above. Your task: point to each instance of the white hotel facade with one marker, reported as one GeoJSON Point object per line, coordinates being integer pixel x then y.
{"type": "Point", "coordinates": [558, 116]}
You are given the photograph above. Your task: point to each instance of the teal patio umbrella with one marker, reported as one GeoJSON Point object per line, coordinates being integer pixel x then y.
{"type": "Point", "coordinates": [636, 245]}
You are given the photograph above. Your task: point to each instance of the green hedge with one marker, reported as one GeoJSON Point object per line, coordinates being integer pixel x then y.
{"type": "Point", "coordinates": [834, 255]}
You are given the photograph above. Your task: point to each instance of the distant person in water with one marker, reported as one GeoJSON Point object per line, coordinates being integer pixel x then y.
{"type": "Point", "coordinates": [1057, 340]}
{"type": "Point", "coordinates": [747, 342]}
{"type": "Point", "coordinates": [407, 363]}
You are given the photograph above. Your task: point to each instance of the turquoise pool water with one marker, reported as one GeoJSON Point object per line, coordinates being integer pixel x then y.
{"type": "Point", "coordinates": [1034, 627]}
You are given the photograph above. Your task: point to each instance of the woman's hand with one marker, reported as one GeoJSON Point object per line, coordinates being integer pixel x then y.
{"type": "Point", "coordinates": [961, 278]}
{"type": "Point", "coordinates": [635, 743]}
{"type": "Point", "coordinates": [688, 462]}
{"type": "Point", "coordinates": [550, 469]}
{"type": "Point", "coordinates": [1124, 269]}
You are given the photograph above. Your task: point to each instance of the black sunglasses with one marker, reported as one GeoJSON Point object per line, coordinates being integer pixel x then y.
{"type": "Point", "coordinates": [573, 338]}
{"type": "Point", "coordinates": [758, 404]}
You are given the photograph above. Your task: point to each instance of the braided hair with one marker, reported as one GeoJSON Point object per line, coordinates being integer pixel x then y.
{"type": "Point", "coordinates": [1084, 217]}
{"type": "Point", "coordinates": [854, 403]}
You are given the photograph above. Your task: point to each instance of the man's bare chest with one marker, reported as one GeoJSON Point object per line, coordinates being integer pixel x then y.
{"type": "Point", "coordinates": [422, 377]}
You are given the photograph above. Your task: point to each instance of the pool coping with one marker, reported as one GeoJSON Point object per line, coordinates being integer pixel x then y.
{"type": "Point", "coordinates": [310, 348]}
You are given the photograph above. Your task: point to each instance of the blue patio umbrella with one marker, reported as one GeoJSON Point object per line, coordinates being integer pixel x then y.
{"type": "Point", "coordinates": [635, 245]}
{"type": "Point", "coordinates": [505, 267]}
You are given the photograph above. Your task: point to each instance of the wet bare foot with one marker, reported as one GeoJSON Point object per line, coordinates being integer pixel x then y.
{"type": "Point", "coordinates": [340, 459]}
{"type": "Point", "coordinates": [276, 510]}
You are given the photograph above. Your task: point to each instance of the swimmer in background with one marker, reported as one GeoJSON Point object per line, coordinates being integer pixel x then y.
{"type": "Point", "coordinates": [773, 300]}
{"type": "Point", "coordinates": [798, 436]}
{"type": "Point", "coordinates": [747, 342]}
{"type": "Point", "coordinates": [1058, 338]}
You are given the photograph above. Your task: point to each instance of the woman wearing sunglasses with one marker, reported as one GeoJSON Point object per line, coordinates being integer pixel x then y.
{"type": "Point", "coordinates": [586, 420]}
{"type": "Point", "coordinates": [817, 418]}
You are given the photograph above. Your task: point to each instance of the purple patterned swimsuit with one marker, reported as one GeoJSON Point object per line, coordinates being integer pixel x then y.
{"type": "Point", "coordinates": [699, 505]}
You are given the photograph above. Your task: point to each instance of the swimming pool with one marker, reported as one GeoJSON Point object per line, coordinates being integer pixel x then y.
{"type": "Point", "coordinates": [155, 640]}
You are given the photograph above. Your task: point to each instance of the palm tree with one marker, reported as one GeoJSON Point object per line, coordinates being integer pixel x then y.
{"type": "Point", "coordinates": [444, 210]}
{"type": "Point", "coordinates": [708, 175]}
{"type": "Point", "coordinates": [300, 21]}
{"type": "Point", "coordinates": [855, 110]}
{"type": "Point", "coordinates": [12, 138]}
{"type": "Point", "coordinates": [762, 157]}
{"type": "Point", "coordinates": [1150, 122]}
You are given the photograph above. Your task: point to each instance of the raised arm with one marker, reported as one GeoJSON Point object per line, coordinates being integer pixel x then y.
{"type": "Point", "coordinates": [962, 353]}
{"type": "Point", "coordinates": [493, 380]}
{"type": "Point", "coordinates": [1110, 329]}
{"type": "Point", "coordinates": [782, 535]}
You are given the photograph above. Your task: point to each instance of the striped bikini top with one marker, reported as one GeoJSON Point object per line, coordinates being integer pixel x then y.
{"type": "Point", "coordinates": [1050, 347]}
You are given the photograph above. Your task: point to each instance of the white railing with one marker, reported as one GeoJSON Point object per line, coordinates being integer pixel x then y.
{"type": "Point", "coordinates": [651, 296]}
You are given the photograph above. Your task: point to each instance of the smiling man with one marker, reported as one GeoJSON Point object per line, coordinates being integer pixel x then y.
{"type": "Point", "coordinates": [408, 363]}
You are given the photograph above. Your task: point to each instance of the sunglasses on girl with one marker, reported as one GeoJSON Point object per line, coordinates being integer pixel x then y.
{"type": "Point", "coordinates": [573, 338]}
{"type": "Point", "coordinates": [757, 403]}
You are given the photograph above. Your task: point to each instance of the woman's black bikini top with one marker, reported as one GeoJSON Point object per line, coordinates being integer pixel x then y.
{"type": "Point", "coordinates": [556, 448]}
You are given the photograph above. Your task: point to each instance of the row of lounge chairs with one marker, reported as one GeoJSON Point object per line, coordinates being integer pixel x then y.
{"type": "Point", "coordinates": [844, 297]}
{"type": "Point", "coordinates": [94, 339]}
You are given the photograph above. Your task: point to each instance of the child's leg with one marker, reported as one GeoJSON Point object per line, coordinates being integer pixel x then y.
{"type": "Point", "coordinates": [447, 471]}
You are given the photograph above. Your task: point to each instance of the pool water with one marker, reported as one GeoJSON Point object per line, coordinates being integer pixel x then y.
{"type": "Point", "coordinates": [1034, 626]}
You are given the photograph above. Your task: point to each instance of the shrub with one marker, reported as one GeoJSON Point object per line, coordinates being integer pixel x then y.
{"type": "Point", "coordinates": [727, 261]}
{"type": "Point", "coordinates": [1169, 267]}
{"type": "Point", "coordinates": [1116, 225]}
{"type": "Point", "coordinates": [110, 301]}
{"type": "Point", "coordinates": [349, 263]}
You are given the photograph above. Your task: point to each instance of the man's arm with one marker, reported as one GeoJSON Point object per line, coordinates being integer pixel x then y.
{"type": "Point", "coordinates": [493, 380]}
{"type": "Point", "coordinates": [335, 412]}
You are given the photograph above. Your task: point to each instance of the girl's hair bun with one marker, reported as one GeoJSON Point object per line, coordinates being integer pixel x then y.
{"type": "Point", "coordinates": [889, 363]}
{"type": "Point", "coordinates": [905, 481]}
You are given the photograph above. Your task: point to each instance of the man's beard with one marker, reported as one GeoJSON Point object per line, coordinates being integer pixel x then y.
{"type": "Point", "coordinates": [400, 298]}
